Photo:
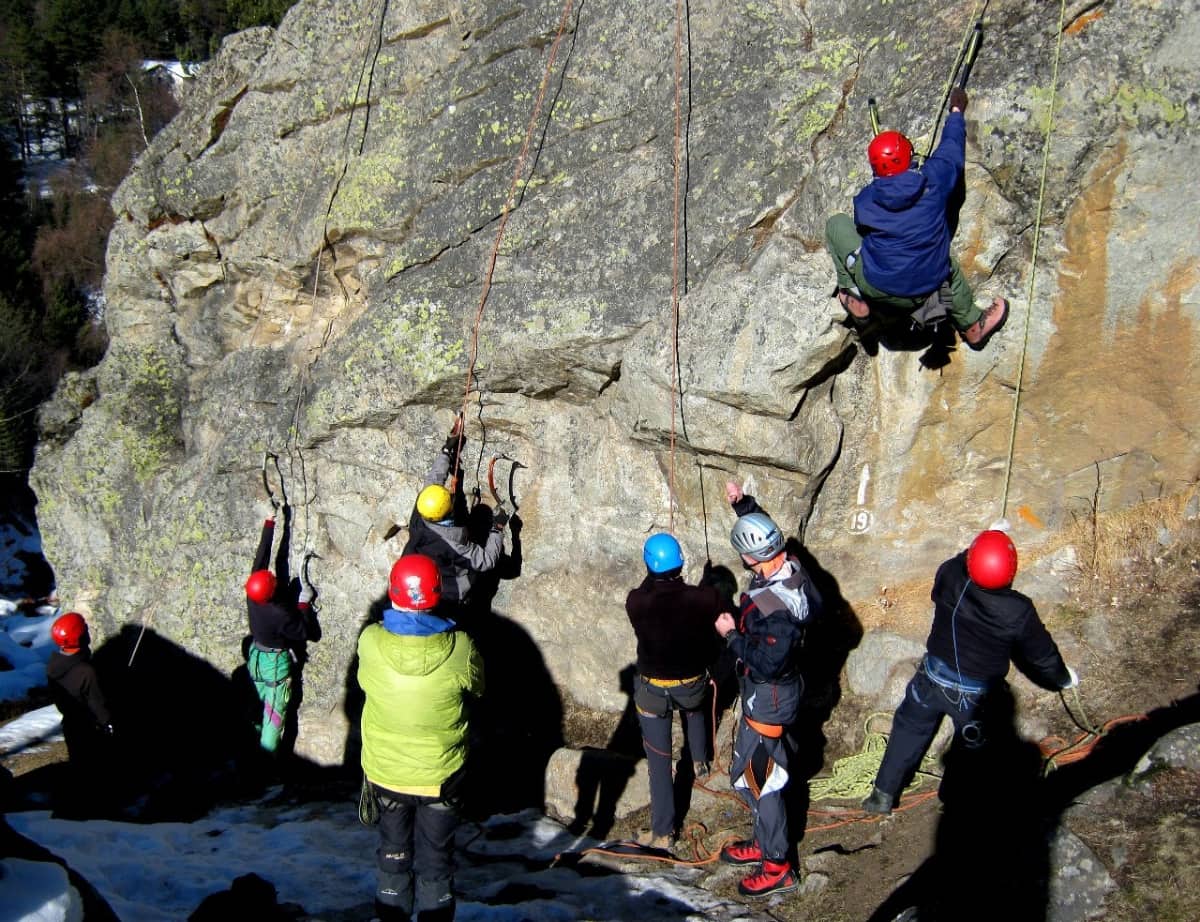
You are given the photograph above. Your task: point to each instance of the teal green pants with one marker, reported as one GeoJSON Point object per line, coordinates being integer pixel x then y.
{"type": "Point", "coordinates": [271, 672]}
{"type": "Point", "coordinates": [842, 240]}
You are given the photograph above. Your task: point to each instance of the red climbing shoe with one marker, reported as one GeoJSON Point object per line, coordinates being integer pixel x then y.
{"type": "Point", "coordinates": [744, 852]}
{"type": "Point", "coordinates": [772, 877]}
{"type": "Point", "coordinates": [978, 333]}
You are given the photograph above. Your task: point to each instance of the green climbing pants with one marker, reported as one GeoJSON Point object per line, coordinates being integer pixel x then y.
{"type": "Point", "coordinates": [271, 672]}
{"type": "Point", "coordinates": [842, 240]}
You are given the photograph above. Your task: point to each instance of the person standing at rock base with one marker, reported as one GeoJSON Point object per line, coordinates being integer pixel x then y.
{"type": "Point", "coordinates": [419, 676]}
{"type": "Point", "coordinates": [895, 252]}
{"type": "Point", "coordinates": [438, 526]}
{"type": "Point", "coordinates": [87, 722]}
{"type": "Point", "coordinates": [278, 630]}
{"type": "Point", "coordinates": [675, 646]}
{"type": "Point", "coordinates": [775, 610]}
{"type": "Point", "coordinates": [980, 625]}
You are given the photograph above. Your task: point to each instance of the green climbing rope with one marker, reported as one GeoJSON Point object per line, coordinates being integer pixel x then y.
{"type": "Point", "coordinates": [1037, 233]}
{"type": "Point", "coordinates": [853, 776]}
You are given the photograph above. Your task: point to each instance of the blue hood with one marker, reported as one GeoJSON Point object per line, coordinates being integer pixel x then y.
{"type": "Point", "coordinates": [891, 193]}
{"type": "Point", "coordinates": [415, 623]}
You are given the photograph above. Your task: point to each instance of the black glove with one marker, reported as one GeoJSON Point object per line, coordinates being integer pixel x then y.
{"type": "Point", "coordinates": [958, 99]}
{"type": "Point", "coordinates": [499, 520]}
{"type": "Point", "coordinates": [451, 448]}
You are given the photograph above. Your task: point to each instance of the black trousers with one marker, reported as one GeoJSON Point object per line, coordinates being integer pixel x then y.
{"type": "Point", "coordinates": [416, 847]}
{"type": "Point", "coordinates": [916, 723]}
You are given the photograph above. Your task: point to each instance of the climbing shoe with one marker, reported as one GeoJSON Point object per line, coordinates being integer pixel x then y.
{"type": "Point", "coordinates": [994, 315]}
{"type": "Point", "coordinates": [744, 852]}
{"type": "Point", "coordinates": [701, 769]}
{"type": "Point", "coordinates": [855, 306]}
{"type": "Point", "coordinates": [878, 803]}
{"type": "Point", "coordinates": [772, 877]}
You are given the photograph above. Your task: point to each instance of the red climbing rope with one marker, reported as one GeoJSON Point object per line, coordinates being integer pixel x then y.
{"type": "Point", "coordinates": [506, 211]}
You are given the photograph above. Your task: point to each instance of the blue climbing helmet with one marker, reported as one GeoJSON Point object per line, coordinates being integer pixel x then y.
{"type": "Point", "coordinates": [662, 553]}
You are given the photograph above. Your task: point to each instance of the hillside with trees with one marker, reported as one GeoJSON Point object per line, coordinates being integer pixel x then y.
{"type": "Point", "coordinates": [80, 98]}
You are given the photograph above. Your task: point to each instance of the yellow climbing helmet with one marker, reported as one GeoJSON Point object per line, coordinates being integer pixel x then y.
{"type": "Point", "coordinates": [434, 503]}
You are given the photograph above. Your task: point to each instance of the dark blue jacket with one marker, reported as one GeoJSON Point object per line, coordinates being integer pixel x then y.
{"type": "Point", "coordinates": [902, 219]}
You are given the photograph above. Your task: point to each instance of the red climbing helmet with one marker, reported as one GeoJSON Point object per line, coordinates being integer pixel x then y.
{"type": "Point", "coordinates": [260, 587]}
{"type": "Point", "coordinates": [992, 560]}
{"type": "Point", "coordinates": [415, 583]}
{"type": "Point", "coordinates": [68, 631]}
{"type": "Point", "coordinates": [890, 153]}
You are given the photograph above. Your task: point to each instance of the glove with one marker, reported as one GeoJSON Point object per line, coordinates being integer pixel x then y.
{"type": "Point", "coordinates": [307, 594]}
{"type": "Point", "coordinates": [1072, 680]}
{"type": "Point", "coordinates": [499, 520]}
{"type": "Point", "coordinates": [107, 730]}
{"type": "Point", "coordinates": [450, 449]}
{"type": "Point", "coordinates": [958, 99]}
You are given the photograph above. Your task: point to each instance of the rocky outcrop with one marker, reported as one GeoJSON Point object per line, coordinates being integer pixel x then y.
{"type": "Point", "coordinates": [299, 259]}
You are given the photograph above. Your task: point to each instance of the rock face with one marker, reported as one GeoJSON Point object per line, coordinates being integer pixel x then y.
{"type": "Point", "coordinates": [300, 257]}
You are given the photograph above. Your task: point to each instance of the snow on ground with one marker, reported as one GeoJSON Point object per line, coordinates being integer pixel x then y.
{"type": "Point", "coordinates": [25, 645]}
{"type": "Point", "coordinates": [37, 891]}
{"type": "Point", "coordinates": [27, 732]}
{"type": "Point", "coordinates": [318, 856]}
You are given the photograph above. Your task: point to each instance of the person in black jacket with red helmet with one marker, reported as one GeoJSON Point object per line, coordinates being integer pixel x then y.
{"type": "Point", "coordinates": [980, 625]}
{"type": "Point", "coordinates": [279, 633]}
{"type": "Point", "coordinates": [676, 643]}
{"type": "Point", "coordinates": [87, 722]}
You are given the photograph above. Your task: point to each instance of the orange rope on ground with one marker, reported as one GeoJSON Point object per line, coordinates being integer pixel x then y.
{"type": "Point", "coordinates": [1056, 751]}
{"type": "Point", "coordinates": [506, 211]}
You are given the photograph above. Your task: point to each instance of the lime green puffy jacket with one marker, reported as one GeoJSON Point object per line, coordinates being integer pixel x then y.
{"type": "Point", "coordinates": [414, 721]}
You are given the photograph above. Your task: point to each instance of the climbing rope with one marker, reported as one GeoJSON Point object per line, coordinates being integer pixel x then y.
{"type": "Point", "coordinates": [677, 169]}
{"type": "Point", "coordinates": [853, 776]}
{"type": "Point", "coordinates": [371, 47]}
{"type": "Point", "coordinates": [510, 202]}
{"type": "Point", "coordinates": [1037, 231]}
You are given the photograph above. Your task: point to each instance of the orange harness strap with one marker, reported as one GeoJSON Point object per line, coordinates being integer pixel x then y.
{"type": "Point", "coordinates": [772, 731]}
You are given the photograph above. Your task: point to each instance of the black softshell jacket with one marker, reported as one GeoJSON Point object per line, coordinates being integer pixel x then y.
{"type": "Point", "coordinates": [273, 625]}
{"type": "Point", "coordinates": [992, 627]}
{"type": "Point", "coordinates": [76, 692]}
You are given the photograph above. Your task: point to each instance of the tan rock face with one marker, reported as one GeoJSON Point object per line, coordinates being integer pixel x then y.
{"type": "Point", "coordinates": [300, 258]}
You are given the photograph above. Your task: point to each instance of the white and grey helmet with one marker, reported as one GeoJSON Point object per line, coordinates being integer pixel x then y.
{"type": "Point", "coordinates": [757, 536]}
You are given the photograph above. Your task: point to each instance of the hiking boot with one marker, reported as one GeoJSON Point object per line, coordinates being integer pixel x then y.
{"type": "Point", "coordinates": [647, 838]}
{"type": "Point", "coordinates": [744, 852]}
{"type": "Point", "coordinates": [772, 877]}
{"type": "Point", "coordinates": [994, 315]}
{"type": "Point", "coordinates": [701, 769]}
{"type": "Point", "coordinates": [856, 307]}
{"type": "Point", "coordinates": [879, 803]}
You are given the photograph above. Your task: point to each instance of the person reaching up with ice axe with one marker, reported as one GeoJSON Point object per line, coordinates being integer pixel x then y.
{"type": "Point", "coordinates": [280, 632]}
{"type": "Point", "coordinates": [438, 526]}
{"type": "Point", "coordinates": [895, 252]}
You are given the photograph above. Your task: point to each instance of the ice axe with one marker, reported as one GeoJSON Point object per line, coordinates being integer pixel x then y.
{"type": "Point", "coordinates": [491, 479]}
{"type": "Point", "coordinates": [960, 75]}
